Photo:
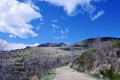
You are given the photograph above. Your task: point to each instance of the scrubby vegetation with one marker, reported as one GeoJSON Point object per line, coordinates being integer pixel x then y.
{"type": "Point", "coordinates": [23, 64]}
{"type": "Point", "coordinates": [118, 53]}
{"type": "Point", "coordinates": [117, 44]}
{"type": "Point", "coordinates": [97, 58]}
{"type": "Point", "coordinates": [103, 61]}
{"type": "Point", "coordinates": [84, 62]}
{"type": "Point", "coordinates": [26, 66]}
{"type": "Point", "coordinates": [110, 74]}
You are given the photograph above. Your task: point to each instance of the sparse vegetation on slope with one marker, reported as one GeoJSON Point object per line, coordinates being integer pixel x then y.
{"type": "Point", "coordinates": [110, 74]}
{"type": "Point", "coordinates": [103, 61]}
{"type": "Point", "coordinates": [84, 62]}
{"type": "Point", "coordinates": [22, 64]}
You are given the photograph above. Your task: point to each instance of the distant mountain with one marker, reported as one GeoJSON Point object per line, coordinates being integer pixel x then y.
{"type": "Point", "coordinates": [103, 39]}
{"type": "Point", "coordinates": [50, 44]}
{"type": "Point", "coordinates": [85, 43]}
{"type": "Point", "coordinates": [88, 42]}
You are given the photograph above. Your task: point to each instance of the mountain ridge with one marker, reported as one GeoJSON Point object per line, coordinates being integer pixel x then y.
{"type": "Point", "coordinates": [90, 40]}
{"type": "Point", "coordinates": [51, 44]}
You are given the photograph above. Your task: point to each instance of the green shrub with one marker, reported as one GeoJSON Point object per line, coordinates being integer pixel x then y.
{"type": "Point", "coordinates": [84, 62]}
{"type": "Point", "coordinates": [119, 68]}
{"type": "Point", "coordinates": [85, 45]}
{"type": "Point", "coordinates": [109, 73]}
{"type": "Point", "coordinates": [96, 75]}
{"type": "Point", "coordinates": [112, 55]}
{"type": "Point", "coordinates": [118, 53]}
{"type": "Point", "coordinates": [101, 72]}
{"type": "Point", "coordinates": [116, 44]}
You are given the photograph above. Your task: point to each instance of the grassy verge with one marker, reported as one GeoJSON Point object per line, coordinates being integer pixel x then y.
{"type": "Point", "coordinates": [49, 76]}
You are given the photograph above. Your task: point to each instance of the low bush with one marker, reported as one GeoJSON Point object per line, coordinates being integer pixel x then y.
{"type": "Point", "coordinates": [84, 62]}
{"type": "Point", "coordinates": [116, 44]}
{"type": "Point", "coordinates": [118, 53]}
{"type": "Point", "coordinates": [110, 74]}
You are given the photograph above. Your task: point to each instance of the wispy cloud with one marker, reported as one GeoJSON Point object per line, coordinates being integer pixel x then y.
{"type": "Point", "coordinates": [42, 23]}
{"type": "Point", "coordinates": [67, 30]}
{"type": "Point", "coordinates": [15, 16]}
{"type": "Point", "coordinates": [37, 28]}
{"type": "Point", "coordinates": [12, 36]}
{"type": "Point", "coordinates": [54, 26]}
{"type": "Point", "coordinates": [63, 34]}
{"type": "Point", "coordinates": [61, 37]}
{"type": "Point", "coordinates": [54, 20]}
{"type": "Point", "coordinates": [70, 6]}
{"type": "Point", "coordinates": [100, 13]}
{"type": "Point", "coordinates": [56, 37]}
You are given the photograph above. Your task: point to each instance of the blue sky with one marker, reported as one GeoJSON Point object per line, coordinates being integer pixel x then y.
{"type": "Point", "coordinates": [31, 22]}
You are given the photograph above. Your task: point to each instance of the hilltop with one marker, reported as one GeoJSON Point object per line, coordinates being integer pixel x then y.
{"type": "Point", "coordinates": [89, 42]}
{"type": "Point", "coordinates": [51, 44]}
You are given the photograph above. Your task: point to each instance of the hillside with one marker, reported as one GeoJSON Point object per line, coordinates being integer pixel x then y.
{"type": "Point", "coordinates": [103, 61]}
{"type": "Point", "coordinates": [25, 63]}
{"type": "Point", "coordinates": [40, 59]}
{"type": "Point", "coordinates": [89, 42]}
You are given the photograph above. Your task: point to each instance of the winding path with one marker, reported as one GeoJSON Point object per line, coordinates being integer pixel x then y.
{"type": "Point", "coordinates": [66, 73]}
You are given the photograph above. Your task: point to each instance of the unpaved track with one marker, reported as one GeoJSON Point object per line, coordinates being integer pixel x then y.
{"type": "Point", "coordinates": [65, 73]}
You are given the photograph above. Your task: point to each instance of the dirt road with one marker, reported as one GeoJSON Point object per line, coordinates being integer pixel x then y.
{"type": "Point", "coordinates": [66, 73]}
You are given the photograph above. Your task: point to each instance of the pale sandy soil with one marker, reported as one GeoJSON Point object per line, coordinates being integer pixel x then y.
{"type": "Point", "coordinates": [66, 73]}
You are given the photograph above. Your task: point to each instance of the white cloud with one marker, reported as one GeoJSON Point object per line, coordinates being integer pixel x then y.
{"type": "Point", "coordinates": [37, 28]}
{"type": "Point", "coordinates": [36, 44]}
{"type": "Point", "coordinates": [54, 26]}
{"type": "Point", "coordinates": [13, 46]}
{"type": "Point", "coordinates": [15, 18]}
{"type": "Point", "coordinates": [63, 34]}
{"type": "Point", "coordinates": [56, 37]}
{"type": "Point", "coordinates": [70, 6]}
{"type": "Point", "coordinates": [67, 30]}
{"type": "Point", "coordinates": [42, 23]}
{"type": "Point", "coordinates": [61, 37]}
{"type": "Point", "coordinates": [54, 20]}
{"type": "Point", "coordinates": [100, 13]}
{"type": "Point", "coordinates": [64, 37]}
{"type": "Point", "coordinates": [12, 36]}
